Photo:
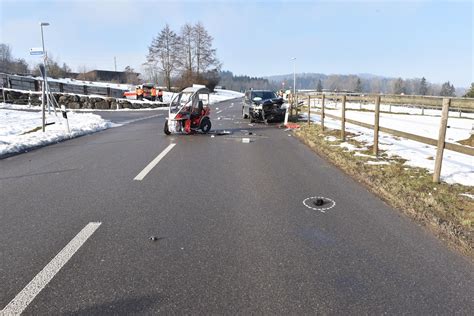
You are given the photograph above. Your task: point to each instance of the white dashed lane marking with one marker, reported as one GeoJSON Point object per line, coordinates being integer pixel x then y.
{"type": "Point", "coordinates": [153, 163]}
{"type": "Point", "coordinates": [29, 292]}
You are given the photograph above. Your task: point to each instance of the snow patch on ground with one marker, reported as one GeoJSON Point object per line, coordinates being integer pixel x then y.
{"type": "Point", "coordinates": [330, 138]}
{"type": "Point", "coordinates": [471, 196]}
{"type": "Point", "coordinates": [377, 163]}
{"type": "Point", "coordinates": [358, 154]}
{"type": "Point", "coordinates": [20, 130]}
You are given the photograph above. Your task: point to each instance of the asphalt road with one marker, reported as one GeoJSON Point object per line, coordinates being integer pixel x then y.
{"type": "Point", "coordinates": [233, 235]}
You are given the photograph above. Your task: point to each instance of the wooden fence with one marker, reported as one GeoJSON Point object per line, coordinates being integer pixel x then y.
{"type": "Point", "coordinates": [422, 102]}
{"type": "Point", "coordinates": [440, 143]}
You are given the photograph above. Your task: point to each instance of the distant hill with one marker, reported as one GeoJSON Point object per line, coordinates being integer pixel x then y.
{"type": "Point", "coordinates": [369, 83]}
{"type": "Point", "coordinates": [364, 83]}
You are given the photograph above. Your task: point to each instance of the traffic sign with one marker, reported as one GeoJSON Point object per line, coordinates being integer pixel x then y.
{"type": "Point", "coordinates": [38, 51]}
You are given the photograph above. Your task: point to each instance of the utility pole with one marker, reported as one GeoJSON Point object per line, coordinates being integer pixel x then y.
{"type": "Point", "coordinates": [115, 63]}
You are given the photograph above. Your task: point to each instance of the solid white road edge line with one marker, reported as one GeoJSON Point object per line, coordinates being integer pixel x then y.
{"type": "Point", "coordinates": [153, 163]}
{"type": "Point", "coordinates": [29, 292]}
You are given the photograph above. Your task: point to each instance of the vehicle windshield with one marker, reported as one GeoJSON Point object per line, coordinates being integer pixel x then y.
{"type": "Point", "coordinates": [265, 95]}
{"type": "Point", "coordinates": [179, 100]}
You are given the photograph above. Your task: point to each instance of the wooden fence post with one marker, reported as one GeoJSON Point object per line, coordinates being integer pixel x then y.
{"type": "Point", "coordinates": [441, 140]}
{"type": "Point", "coordinates": [376, 125]}
{"type": "Point", "coordinates": [296, 107]}
{"type": "Point", "coordinates": [343, 119]}
{"type": "Point", "coordinates": [322, 112]}
{"type": "Point", "coordinates": [309, 109]}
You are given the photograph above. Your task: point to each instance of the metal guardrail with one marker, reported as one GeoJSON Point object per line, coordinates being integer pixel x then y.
{"type": "Point", "coordinates": [19, 82]}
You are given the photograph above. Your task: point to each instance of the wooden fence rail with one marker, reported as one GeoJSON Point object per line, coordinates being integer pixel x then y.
{"type": "Point", "coordinates": [428, 102]}
{"type": "Point", "coordinates": [425, 140]}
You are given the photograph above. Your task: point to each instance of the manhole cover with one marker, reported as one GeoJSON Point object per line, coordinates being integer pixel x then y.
{"type": "Point", "coordinates": [319, 203]}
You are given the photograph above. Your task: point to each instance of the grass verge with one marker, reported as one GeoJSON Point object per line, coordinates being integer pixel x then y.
{"type": "Point", "coordinates": [441, 207]}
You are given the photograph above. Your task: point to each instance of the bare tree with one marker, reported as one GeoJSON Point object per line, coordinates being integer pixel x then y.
{"type": "Point", "coordinates": [10, 65]}
{"type": "Point", "coordinates": [186, 47]}
{"type": "Point", "coordinates": [163, 53]}
{"type": "Point", "coordinates": [205, 55]}
{"type": "Point", "coordinates": [5, 57]}
{"type": "Point", "coordinates": [19, 66]}
{"type": "Point", "coordinates": [132, 76]}
{"type": "Point", "coordinates": [332, 82]}
{"type": "Point", "coordinates": [398, 86]}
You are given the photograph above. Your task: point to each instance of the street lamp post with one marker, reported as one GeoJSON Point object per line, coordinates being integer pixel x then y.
{"type": "Point", "coordinates": [294, 84]}
{"type": "Point", "coordinates": [294, 75]}
{"type": "Point", "coordinates": [44, 78]}
{"type": "Point", "coordinates": [290, 106]}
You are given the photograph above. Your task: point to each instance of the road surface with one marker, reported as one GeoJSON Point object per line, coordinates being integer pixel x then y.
{"type": "Point", "coordinates": [232, 233]}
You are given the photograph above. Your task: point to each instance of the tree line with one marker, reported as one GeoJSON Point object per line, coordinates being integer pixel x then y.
{"type": "Point", "coordinates": [365, 84]}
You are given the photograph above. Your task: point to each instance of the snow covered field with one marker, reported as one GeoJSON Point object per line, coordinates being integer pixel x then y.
{"type": "Point", "coordinates": [456, 167]}
{"type": "Point", "coordinates": [19, 129]}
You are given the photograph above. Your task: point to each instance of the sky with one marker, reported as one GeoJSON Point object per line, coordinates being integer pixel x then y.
{"type": "Point", "coordinates": [408, 39]}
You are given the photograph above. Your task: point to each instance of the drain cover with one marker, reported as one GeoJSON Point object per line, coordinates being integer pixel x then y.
{"type": "Point", "coordinates": [319, 203]}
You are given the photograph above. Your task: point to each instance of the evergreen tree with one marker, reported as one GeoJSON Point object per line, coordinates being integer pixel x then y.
{"type": "Point", "coordinates": [470, 93]}
{"type": "Point", "coordinates": [423, 90]}
{"type": "Point", "coordinates": [319, 87]}
{"type": "Point", "coordinates": [358, 85]}
{"type": "Point", "coordinates": [447, 90]}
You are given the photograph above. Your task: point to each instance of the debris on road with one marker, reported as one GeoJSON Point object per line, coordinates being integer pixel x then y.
{"type": "Point", "coordinates": [290, 126]}
{"type": "Point", "coordinates": [222, 132]}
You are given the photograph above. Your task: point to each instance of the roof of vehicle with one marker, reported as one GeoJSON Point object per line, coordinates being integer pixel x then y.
{"type": "Point", "coordinates": [196, 89]}
{"type": "Point", "coordinates": [261, 90]}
